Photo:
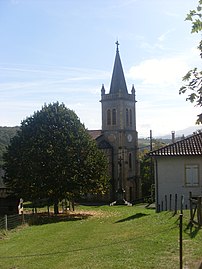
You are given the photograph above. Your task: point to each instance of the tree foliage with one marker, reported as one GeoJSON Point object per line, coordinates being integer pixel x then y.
{"type": "Point", "coordinates": [193, 78]}
{"type": "Point", "coordinates": [147, 169]}
{"type": "Point", "coordinates": [52, 155]}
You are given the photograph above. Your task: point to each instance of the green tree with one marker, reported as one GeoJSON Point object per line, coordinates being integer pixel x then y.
{"type": "Point", "coordinates": [147, 169]}
{"type": "Point", "coordinates": [52, 155]}
{"type": "Point", "coordinates": [193, 78]}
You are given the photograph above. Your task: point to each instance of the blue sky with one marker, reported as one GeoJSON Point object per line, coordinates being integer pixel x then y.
{"type": "Point", "coordinates": [64, 50]}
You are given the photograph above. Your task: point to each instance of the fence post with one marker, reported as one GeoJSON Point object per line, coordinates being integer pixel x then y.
{"type": "Point", "coordinates": [182, 203]}
{"type": "Point", "coordinates": [23, 218]}
{"type": "Point", "coordinates": [161, 205]}
{"type": "Point", "coordinates": [6, 222]}
{"type": "Point", "coordinates": [175, 203]}
{"type": "Point", "coordinates": [199, 211]}
{"type": "Point", "coordinates": [180, 235]}
{"type": "Point", "coordinates": [170, 202]}
{"type": "Point", "coordinates": [166, 207]}
{"type": "Point", "coordinates": [191, 208]}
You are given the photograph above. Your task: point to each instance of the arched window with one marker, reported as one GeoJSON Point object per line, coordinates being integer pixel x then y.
{"type": "Point", "coordinates": [130, 160]}
{"type": "Point", "coordinates": [127, 117]}
{"type": "Point", "coordinates": [131, 118]}
{"type": "Point", "coordinates": [108, 117]}
{"type": "Point", "coordinates": [113, 116]}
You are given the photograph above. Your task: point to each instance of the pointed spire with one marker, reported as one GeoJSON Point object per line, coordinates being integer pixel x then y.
{"type": "Point", "coordinates": [103, 90]}
{"type": "Point", "coordinates": [118, 83]}
{"type": "Point", "coordinates": [133, 89]}
{"type": "Point", "coordinates": [133, 92]}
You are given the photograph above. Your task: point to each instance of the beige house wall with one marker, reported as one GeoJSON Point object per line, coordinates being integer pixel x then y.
{"type": "Point", "coordinates": [170, 180]}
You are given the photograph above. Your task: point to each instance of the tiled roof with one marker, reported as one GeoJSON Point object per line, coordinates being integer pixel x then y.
{"type": "Point", "coordinates": [189, 146]}
{"type": "Point", "coordinates": [94, 133]}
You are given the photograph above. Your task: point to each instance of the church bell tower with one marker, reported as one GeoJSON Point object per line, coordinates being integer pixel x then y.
{"type": "Point", "coordinates": [119, 130]}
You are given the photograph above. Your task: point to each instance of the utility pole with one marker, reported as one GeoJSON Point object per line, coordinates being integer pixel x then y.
{"type": "Point", "coordinates": [151, 148]}
{"type": "Point", "coordinates": [150, 137]}
{"type": "Point", "coordinates": [151, 165]}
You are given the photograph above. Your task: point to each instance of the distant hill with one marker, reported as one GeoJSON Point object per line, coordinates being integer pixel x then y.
{"type": "Point", "coordinates": [185, 132]}
{"type": "Point", "coordinates": [6, 133]}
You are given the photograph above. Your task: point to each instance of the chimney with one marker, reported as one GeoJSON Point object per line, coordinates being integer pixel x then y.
{"type": "Point", "coordinates": [173, 136]}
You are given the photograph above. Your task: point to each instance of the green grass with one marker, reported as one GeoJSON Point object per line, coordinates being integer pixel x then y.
{"type": "Point", "coordinates": [113, 237]}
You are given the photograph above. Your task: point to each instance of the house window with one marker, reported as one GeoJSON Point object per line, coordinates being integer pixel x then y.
{"type": "Point", "coordinates": [130, 117]}
{"type": "Point", "coordinates": [127, 117]}
{"type": "Point", "coordinates": [114, 116]}
{"type": "Point", "coordinates": [191, 175]}
{"type": "Point", "coordinates": [108, 117]}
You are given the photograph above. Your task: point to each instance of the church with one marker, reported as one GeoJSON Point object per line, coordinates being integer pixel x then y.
{"type": "Point", "coordinates": [118, 137]}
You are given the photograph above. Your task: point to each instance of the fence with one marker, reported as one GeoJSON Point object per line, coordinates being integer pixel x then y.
{"type": "Point", "coordinates": [195, 210]}
{"type": "Point", "coordinates": [9, 222]}
{"type": "Point", "coordinates": [176, 202]}
{"type": "Point", "coordinates": [172, 203]}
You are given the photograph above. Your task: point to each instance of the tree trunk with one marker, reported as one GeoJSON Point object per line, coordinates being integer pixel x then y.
{"type": "Point", "coordinates": [48, 207]}
{"type": "Point", "coordinates": [73, 202]}
{"type": "Point", "coordinates": [56, 210]}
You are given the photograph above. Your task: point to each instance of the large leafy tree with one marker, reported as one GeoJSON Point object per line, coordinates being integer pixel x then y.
{"type": "Point", "coordinates": [147, 170]}
{"type": "Point", "coordinates": [52, 155]}
{"type": "Point", "coordinates": [193, 78]}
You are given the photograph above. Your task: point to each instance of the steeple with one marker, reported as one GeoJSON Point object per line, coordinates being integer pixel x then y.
{"type": "Point", "coordinates": [118, 83]}
{"type": "Point", "coordinates": [119, 136]}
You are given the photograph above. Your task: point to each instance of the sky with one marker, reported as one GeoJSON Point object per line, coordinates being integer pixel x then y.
{"type": "Point", "coordinates": [64, 50]}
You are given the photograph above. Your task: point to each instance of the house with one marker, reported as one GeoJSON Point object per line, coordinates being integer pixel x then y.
{"type": "Point", "coordinates": [178, 171]}
{"type": "Point", "coordinates": [118, 136]}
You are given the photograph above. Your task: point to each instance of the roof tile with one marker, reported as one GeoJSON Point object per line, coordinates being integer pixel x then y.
{"type": "Point", "coordinates": [189, 146]}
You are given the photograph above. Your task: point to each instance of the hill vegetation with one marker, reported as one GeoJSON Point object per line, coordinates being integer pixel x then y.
{"type": "Point", "coordinates": [6, 133]}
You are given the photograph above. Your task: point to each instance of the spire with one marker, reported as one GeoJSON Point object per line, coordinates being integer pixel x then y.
{"type": "Point", "coordinates": [103, 90]}
{"type": "Point", "coordinates": [118, 83]}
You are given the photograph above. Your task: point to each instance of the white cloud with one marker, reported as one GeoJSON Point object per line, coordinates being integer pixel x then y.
{"type": "Point", "coordinates": [165, 71]}
{"type": "Point", "coordinates": [164, 120]}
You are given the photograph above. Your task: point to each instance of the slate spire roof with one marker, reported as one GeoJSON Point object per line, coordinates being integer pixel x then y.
{"type": "Point", "coordinates": [189, 146]}
{"type": "Point", "coordinates": [118, 83]}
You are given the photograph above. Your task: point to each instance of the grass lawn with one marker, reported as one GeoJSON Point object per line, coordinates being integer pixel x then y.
{"type": "Point", "coordinates": [106, 237]}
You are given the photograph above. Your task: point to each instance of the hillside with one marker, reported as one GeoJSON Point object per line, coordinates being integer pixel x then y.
{"type": "Point", "coordinates": [6, 133]}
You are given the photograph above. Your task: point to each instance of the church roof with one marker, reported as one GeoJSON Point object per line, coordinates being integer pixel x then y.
{"type": "Point", "coordinates": [118, 83]}
{"type": "Point", "coordinates": [94, 133]}
{"type": "Point", "coordinates": [189, 146]}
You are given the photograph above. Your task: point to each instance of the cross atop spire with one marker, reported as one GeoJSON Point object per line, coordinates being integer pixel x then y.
{"type": "Point", "coordinates": [117, 45]}
{"type": "Point", "coordinates": [118, 83]}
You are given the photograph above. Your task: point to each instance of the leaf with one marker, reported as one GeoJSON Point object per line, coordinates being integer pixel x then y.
{"type": "Point", "coordinates": [182, 89]}
{"type": "Point", "coordinates": [199, 8]}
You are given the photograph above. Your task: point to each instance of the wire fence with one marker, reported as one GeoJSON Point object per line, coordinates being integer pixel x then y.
{"type": "Point", "coordinates": [9, 222]}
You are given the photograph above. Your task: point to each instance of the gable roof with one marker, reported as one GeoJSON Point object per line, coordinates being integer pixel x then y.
{"type": "Point", "coordinates": [189, 146]}
{"type": "Point", "coordinates": [118, 82]}
{"type": "Point", "coordinates": [94, 133]}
